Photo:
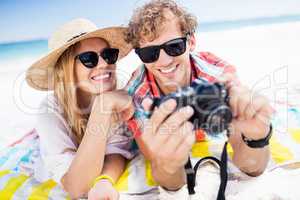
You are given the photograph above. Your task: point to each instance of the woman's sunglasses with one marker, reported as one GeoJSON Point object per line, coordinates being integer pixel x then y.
{"type": "Point", "coordinates": [90, 58]}
{"type": "Point", "coordinates": [174, 47]}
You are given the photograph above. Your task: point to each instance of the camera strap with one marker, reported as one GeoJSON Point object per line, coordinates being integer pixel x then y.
{"type": "Point", "coordinates": [191, 173]}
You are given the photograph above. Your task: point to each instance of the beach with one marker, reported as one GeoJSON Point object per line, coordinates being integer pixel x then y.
{"type": "Point", "coordinates": [266, 58]}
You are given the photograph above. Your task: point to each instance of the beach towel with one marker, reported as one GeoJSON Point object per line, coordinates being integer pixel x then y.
{"type": "Point", "coordinates": [17, 162]}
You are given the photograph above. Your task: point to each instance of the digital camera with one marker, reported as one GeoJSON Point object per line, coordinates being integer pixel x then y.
{"type": "Point", "coordinates": [210, 103]}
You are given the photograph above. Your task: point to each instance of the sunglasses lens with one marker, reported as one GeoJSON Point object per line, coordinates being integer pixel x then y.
{"type": "Point", "coordinates": [110, 55]}
{"type": "Point", "coordinates": [175, 47]}
{"type": "Point", "coordinates": [148, 54]}
{"type": "Point", "coordinates": [89, 59]}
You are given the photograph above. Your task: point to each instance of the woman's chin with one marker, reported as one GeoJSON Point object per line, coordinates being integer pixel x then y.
{"type": "Point", "coordinates": [100, 89]}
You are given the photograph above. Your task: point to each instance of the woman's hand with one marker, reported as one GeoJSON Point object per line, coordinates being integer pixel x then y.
{"type": "Point", "coordinates": [116, 102]}
{"type": "Point", "coordinates": [103, 190]}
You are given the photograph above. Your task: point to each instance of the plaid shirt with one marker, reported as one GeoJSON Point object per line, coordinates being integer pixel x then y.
{"type": "Point", "coordinates": [142, 84]}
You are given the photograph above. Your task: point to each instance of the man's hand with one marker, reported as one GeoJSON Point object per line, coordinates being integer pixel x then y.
{"type": "Point", "coordinates": [169, 137]}
{"type": "Point", "coordinates": [251, 117]}
{"type": "Point", "coordinates": [166, 140]}
{"type": "Point", "coordinates": [251, 111]}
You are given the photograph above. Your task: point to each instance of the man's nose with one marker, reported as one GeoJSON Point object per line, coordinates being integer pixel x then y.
{"type": "Point", "coordinates": [164, 59]}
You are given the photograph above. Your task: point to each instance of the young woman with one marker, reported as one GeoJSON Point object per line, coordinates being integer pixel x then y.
{"type": "Point", "coordinates": [83, 143]}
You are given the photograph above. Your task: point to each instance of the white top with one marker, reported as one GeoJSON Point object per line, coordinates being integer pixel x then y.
{"type": "Point", "coordinates": [56, 138]}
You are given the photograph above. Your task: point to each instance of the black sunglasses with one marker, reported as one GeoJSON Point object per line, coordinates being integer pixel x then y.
{"type": "Point", "coordinates": [174, 47]}
{"type": "Point", "coordinates": [90, 58]}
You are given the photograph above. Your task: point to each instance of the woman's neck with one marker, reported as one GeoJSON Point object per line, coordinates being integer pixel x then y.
{"type": "Point", "coordinates": [85, 102]}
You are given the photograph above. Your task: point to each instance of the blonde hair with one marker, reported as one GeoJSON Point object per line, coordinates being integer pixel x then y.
{"type": "Point", "coordinates": [66, 93]}
{"type": "Point", "coordinates": [147, 21]}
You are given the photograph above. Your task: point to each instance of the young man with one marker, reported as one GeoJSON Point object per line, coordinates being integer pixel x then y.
{"type": "Point", "coordinates": [163, 35]}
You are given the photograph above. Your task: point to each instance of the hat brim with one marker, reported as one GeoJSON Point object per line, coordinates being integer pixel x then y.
{"type": "Point", "coordinates": [40, 74]}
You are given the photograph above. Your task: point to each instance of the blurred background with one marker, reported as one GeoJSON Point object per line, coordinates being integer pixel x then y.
{"type": "Point", "coordinates": [259, 37]}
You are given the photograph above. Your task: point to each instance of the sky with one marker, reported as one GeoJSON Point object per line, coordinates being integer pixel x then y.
{"type": "Point", "coordinates": [32, 19]}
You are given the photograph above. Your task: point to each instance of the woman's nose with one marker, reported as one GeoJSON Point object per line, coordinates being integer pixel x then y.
{"type": "Point", "coordinates": [101, 63]}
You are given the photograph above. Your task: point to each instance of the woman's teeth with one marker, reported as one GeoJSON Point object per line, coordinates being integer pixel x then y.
{"type": "Point", "coordinates": [101, 77]}
{"type": "Point", "coordinates": [165, 71]}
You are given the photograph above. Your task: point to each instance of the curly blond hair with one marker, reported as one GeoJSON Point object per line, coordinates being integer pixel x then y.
{"type": "Point", "coordinates": [147, 21]}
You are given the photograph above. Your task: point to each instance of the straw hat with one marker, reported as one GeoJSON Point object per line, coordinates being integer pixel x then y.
{"type": "Point", "coordinates": [40, 74]}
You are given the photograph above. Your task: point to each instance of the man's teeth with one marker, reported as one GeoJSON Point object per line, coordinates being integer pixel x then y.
{"type": "Point", "coordinates": [101, 77]}
{"type": "Point", "coordinates": [168, 70]}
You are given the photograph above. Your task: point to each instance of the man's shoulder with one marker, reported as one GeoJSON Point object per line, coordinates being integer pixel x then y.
{"type": "Point", "coordinates": [215, 61]}
{"type": "Point", "coordinates": [208, 57]}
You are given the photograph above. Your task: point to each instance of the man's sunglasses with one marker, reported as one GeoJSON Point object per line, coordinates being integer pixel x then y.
{"type": "Point", "coordinates": [174, 47]}
{"type": "Point", "coordinates": [90, 58]}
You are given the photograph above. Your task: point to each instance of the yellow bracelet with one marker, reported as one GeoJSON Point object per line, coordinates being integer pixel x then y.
{"type": "Point", "coordinates": [110, 179]}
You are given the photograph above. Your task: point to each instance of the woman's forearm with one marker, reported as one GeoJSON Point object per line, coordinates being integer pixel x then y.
{"type": "Point", "coordinates": [88, 162]}
{"type": "Point", "coordinates": [114, 166]}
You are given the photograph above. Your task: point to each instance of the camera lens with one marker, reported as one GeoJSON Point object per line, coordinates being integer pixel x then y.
{"type": "Point", "coordinates": [219, 119]}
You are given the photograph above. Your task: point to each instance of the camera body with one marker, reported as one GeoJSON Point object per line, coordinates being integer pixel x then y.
{"type": "Point", "coordinates": [210, 103]}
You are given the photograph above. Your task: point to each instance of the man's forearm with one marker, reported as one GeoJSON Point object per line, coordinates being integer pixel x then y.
{"type": "Point", "coordinates": [252, 161]}
{"type": "Point", "coordinates": [169, 181]}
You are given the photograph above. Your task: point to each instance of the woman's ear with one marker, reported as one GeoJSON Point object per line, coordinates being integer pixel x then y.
{"type": "Point", "coordinates": [192, 42]}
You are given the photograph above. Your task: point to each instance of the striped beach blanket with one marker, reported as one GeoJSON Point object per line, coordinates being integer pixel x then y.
{"type": "Point", "coordinates": [16, 172]}
{"type": "Point", "coordinates": [17, 162]}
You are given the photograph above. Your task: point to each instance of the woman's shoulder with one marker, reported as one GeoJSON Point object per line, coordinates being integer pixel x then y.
{"type": "Point", "coordinates": [51, 115]}
{"type": "Point", "coordinates": [50, 105]}
{"type": "Point", "coordinates": [50, 110]}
